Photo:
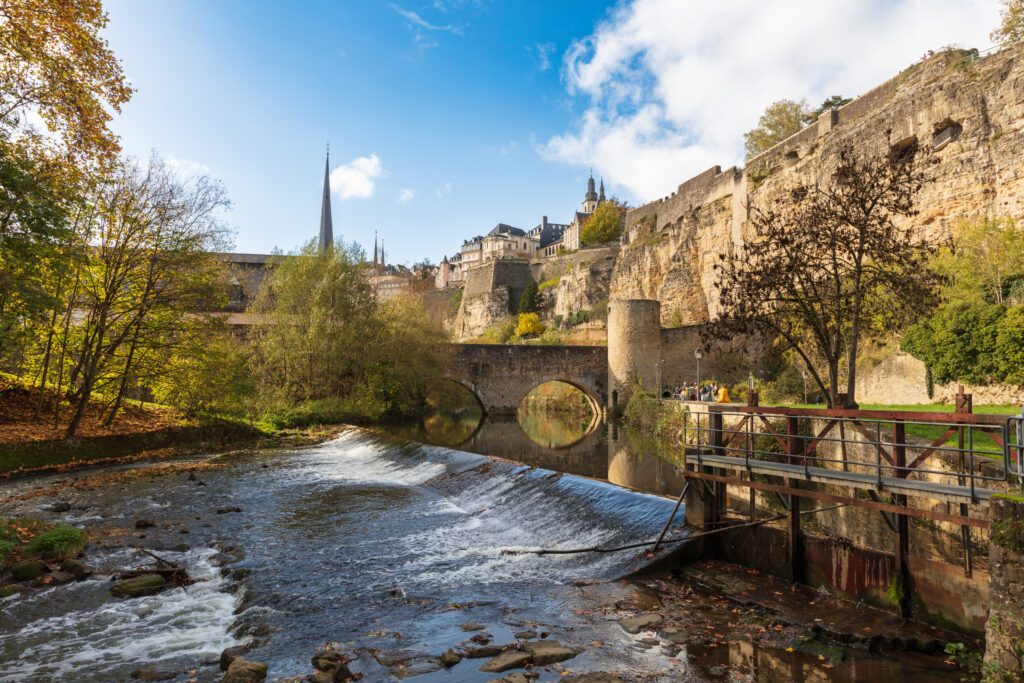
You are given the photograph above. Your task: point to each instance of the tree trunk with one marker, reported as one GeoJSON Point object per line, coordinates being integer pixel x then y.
{"type": "Point", "coordinates": [124, 378]}
{"type": "Point", "coordinates": [46, 363]}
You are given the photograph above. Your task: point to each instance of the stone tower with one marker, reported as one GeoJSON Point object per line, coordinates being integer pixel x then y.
{"type": "Point", "coordinates": [634, 348]}
{"type": "Point", "coordinates": [590, 199]}
{"type": "Point", "coordinates": [326, 225]}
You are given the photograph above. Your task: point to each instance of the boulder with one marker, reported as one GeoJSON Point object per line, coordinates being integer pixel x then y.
{"type": "Point", "coordinates": [547, 652]}
{"type": "Point", "coordinates": [230, 653]}
{"type": "Point", "coordinates": [241, 670]}
{"type": "Point", "coordinates": [525, 635]}
{"type": "Point", "coordinates": [511, 659]}
{"type": "Point", "coordinates": [641, 622]}
{"type": "Point", "coordinates": [26, 570]}
{"type": "Point", "coordinates": [60, 506]}
{"type": "Point", "coordinates": [329, 660]}
{"type": "Point", "coordinates": [76, 569]}
{"type": "Point", "coordinates": [139, 586]}
{"type": "Point", "coordinates": [10, 589]}
{"type": "Point", "coordinates": [484, 651]}
{"type": "Point", "coordinates": [473, 626]}
{"type": "Point", "coordinates": [450, 658]}
{"type": "Point", "coordinates": [154, 673]}
{"type": "Point", "coordinates": [57, 578]}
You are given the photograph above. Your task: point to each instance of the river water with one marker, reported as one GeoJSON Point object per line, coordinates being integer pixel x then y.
{"type": "Point", "coordinates": [387, 546]}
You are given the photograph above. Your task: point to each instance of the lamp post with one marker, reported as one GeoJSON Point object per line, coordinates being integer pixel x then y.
{"type": "Point", "coordinates": [698, 354]}
{"type": "Point", "coordinates": [805, 387]}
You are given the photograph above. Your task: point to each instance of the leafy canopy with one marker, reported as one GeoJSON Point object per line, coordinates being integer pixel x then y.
{"type": "Point", "coordinates": [779, 120]}
{"type": "Point", "coordinates": [1011, 26]}
{"type": "Point", "coordinates": [605, 224]}
{"type": "Point", "coordinates": [985, 260]}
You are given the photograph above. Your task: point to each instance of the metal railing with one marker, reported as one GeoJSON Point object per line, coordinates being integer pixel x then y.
{"type": "Point", "coordinates": [871, 449]}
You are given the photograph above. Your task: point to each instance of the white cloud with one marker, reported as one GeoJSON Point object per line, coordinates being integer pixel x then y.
{"type": "Point", "coordinates": [415, 19]}
{"type": "Point", "coordinates": [670, 87]}
{"type": "Point", "coordinates": [444, 190]}
{"type": "Point", "coordinates": [542, 52]}
{"type": "Point", "coordinates": [405, 195]}
{"type": "Point", "coordinates": [508, 148]}
{"type": "Point", "coordinates": [187, 168]}
{"type": "Point", "coordinates": [357, 178]}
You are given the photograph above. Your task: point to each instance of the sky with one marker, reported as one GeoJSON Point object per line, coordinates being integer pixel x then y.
{"type": "Point", "coordinates": [446, 117]}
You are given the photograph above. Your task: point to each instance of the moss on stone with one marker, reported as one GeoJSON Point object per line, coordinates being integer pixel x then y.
{"type": "Point", "coordinates": [1009, 534]}
{"type": "Point", "coordinates": [1014, 496]}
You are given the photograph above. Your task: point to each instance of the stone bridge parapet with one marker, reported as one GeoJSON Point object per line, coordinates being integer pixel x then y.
{"type": "Point", "coordinates": [502, 375]}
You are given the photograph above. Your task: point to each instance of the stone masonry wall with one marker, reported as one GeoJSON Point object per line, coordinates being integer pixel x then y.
{"type": "Point", "coordinates": [671, 245]}
{"type": "Point", "coordinates": [491, 294]}
{"type": "Point", "coordinates": [1004, 633]}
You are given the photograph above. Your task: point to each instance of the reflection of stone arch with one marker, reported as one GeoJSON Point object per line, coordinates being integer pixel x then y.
{"type": "Point", "coordinates": [592, 399]}
{"type": "Point", "coordinates": [468, 387]}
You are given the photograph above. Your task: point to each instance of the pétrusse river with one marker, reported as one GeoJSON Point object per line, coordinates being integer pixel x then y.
{"type": "Point", "coordinates": [388, 547]}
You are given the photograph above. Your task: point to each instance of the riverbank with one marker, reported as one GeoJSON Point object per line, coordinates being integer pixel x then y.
{"type": "Point", "coordinates": [32, 441]}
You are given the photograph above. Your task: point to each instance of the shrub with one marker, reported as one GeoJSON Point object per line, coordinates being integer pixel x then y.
{"type": "Point", "coordinates": [58, 543]}
{"type": "Point", "coordinates": [6, 550]}
{"type": "Point", "coordinates": [549, 284]}
{"type": "Point", "coordinates": [962, 342]}
{"type": "Point", "coordinates": [349, 410]}
{"type": "Point", "coordinates": [528, 300]}
{"type": "Point", "coordinates": [529, 325]}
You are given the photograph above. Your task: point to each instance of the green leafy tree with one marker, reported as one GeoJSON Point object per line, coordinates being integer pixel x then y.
{"type": "Point", "coordinates": [1011, 26]}
{"type": "Point", "coordinates": [779, 120]}
{"type": "Point", "coordinates": [528, 302]}
{"type": "Point", "coordinates": [985, 260]}
{"type": "Point", "coordinates": [960, 342]}
{"type": "Point", "coordinates": [605, 224]}
{"type": "Point", "coordinates": [833, 101]}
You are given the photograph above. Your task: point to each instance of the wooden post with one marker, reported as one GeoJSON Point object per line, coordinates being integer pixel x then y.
{"type": "Point", "coordinates": [797, 563]}
{"type": "Point", "coordinates": [964, 404]}
{"type": "Point", "coordinates": [902, 521]}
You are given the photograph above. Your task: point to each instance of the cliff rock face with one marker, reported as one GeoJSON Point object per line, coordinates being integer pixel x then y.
{"type": "Point", "coordinates": [584, 284]}
{"type": "Point", "coordinates": [491, 294]}
{"type": "Point", "coordinates": [967, 113]}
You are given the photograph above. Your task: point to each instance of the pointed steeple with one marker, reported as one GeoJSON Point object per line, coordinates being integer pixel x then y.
{"type": "Point", "coordinates": [374, 248]}
{"type": "Point", "coordinates": [326, 224]}
{"type": "Point", "coordinates": [600, 194]}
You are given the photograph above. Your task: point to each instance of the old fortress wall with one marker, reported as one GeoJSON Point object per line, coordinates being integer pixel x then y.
{"type": "Point", "coordinates": [968, 113]}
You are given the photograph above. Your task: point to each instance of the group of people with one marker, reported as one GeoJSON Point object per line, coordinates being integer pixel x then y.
{"type": "Point", "coordinates": [711, 391]}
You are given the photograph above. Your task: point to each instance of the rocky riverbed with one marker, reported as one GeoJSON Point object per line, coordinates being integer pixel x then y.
{"type": "Point", "coordinates": [366, 557]}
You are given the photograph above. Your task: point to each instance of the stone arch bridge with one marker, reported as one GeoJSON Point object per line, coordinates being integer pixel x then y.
{"type": "Point", "coordinates": [501, 376]}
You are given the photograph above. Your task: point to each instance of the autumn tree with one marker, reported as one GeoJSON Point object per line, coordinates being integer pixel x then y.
{"type": "Point", "coordinates": [529, 302]}
{"type": "Point", "coordinates": [1011, 25]}
{"type": "Point", "coordinates": [830, 265]}
{"type": "Point", "coordinates": [985, 260]}
{"type": "Point", "coordinates": [605, 224]}
{"type": "Point", "coordinates": [779, 120]}
{"type": "Point", "coordinates": [57, 70]}
{"type": "Point", "coordinates": [149, 271]}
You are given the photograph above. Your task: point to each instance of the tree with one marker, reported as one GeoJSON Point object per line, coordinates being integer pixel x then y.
{"type": "Point", "coordinates": [528, 301]}
{"type": "Point", "coordinates": [605, 224]}
{"type": "Point", "coordinates": [529, 325]}
{"type": "Point", "coordinates": [321, 335]}
{"type": "Point", "coordinates": [985, 260]}
{"type": "Point", "coordinates": [149, 270]}
{"type": "Point", "coordinates": [831, 102]}
{"type": "Point", "coordinates": [779, 120]}
{"type": "Point", "coordinates": [831, 266]}
{"type": "Point", "coordinates": [54, 63]}
{"type": "Point", "coordinates": [1011, 26]}
{"type": "Point", "coordinates": [959, 342]}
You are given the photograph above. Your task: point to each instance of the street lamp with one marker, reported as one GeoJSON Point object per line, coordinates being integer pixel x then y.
{"type": "Point", "coordinates": [698, 354]}
{"type": "Point", "coordinates": [805, 387]}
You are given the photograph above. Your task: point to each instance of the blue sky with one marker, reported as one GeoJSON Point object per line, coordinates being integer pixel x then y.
{"type": "Point", "coordinates": [446, 117]}
{"type": "Point", "coordinates": [251, 92]}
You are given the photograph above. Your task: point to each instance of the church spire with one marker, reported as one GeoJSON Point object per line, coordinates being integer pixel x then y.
{"type": "Point", "coordinates": [326, 224]}
{"type": "Point", "coordinates": [374, 248]}
{"type": "Point", "coordinates": [600, 194]}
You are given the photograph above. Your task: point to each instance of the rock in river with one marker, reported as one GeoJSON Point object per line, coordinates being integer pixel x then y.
{"type": "Point", "coordinates": [512, 659]}
{"type": "Point", "coordinates": [547, 652]}
{"type": "Point", "coordinates": [26, 570]}
{"type": "Point", "coordinates": [641, 622]}
{"type": "Point", "coordinates": [230, 654]}
{"type": "Point", "coordinates": [244, 671]}
{"type": "Point", "coordinates": [147, 584]}
{"type": "Point", "coordinates": [154, 673]}
{"type": "Point", "coordinates": [76, 569]}
{"type": "Point", "coordinates": [450, 658]}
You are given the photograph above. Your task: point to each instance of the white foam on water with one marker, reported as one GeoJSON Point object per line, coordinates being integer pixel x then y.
{"type": "Point", "coordinates": [178, 623]}
{"type": "Point", "coordinates": [352, 459]}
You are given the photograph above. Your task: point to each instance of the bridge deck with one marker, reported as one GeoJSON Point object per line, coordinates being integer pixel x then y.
{"type": "Point", "coordinates": [859, 480]}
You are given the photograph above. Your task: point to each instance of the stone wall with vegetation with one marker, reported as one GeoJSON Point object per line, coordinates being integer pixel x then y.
{"type": "Point", "coordinates": [964, 111]}
{"type": "Point", "coordinates": [1004, 633]}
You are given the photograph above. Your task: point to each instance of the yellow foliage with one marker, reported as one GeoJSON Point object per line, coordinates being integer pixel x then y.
{"type": "Point", "coordinates": [529, 325]}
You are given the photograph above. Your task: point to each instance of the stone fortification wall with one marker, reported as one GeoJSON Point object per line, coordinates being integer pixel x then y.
{"type": "Point", "coordinates": [900, 379]}
{"type": "Point", "coordinates": [491, 294]}
{"type": "Point", "coordinates": [968, 113]}
{"type": "Point", "coordinates": [724, 362]}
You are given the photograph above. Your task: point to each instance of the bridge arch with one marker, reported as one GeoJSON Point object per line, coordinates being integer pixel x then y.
{"type": "Point", "coordinates": [594, 401]}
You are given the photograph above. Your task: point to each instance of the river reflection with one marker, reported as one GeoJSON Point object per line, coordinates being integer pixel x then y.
{"type": "Point", "coordinates": [560, 442]}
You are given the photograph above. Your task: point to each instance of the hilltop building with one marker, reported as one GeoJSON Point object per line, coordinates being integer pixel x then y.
{"type": "Point", "coordinates": [506, 242]}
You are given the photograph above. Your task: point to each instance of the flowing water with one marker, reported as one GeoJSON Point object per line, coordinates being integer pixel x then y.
{"type": "Point", "coordinates": [381, 544]}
